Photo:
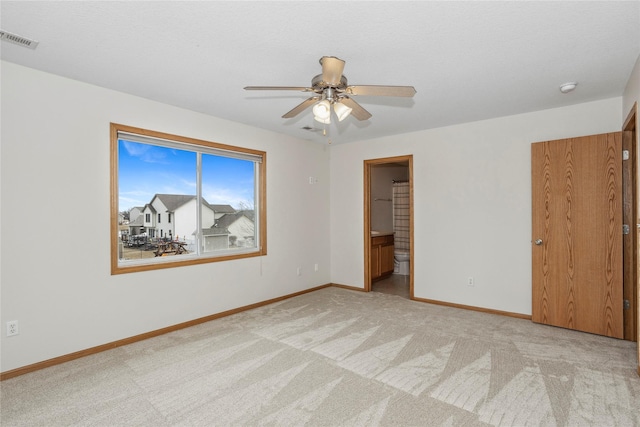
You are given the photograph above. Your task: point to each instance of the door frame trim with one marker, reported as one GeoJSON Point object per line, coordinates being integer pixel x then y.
{"type": "Point", "coordinates": [630, 214]}
{"type": "Point", "coordinates": [632, 123]}
{"type": "Point", "coordinates": [367, 216]}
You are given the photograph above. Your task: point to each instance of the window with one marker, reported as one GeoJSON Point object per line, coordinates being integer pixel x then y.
{"type": "Point", "coordinates": [213, 195]}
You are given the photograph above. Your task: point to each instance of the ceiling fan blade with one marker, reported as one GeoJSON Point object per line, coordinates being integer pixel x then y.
{"type": "Point", "coordinates": [300, 107]}
{"type": "Point", "coordinates": [332, 68]}
{"type": "Point", "coordinates": [407, 91]}
{"type": "Point", "coordinates": [298, 88]}
{"type": "Point", "coordinates": [357, 111]}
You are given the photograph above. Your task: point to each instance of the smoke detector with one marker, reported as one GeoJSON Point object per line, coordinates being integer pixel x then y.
{"type": "Point", "coordinates": [568, 87]}
{"type": "Point", "coordinates": [19, 40]}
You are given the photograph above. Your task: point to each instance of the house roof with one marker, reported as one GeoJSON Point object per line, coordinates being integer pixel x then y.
{"type": "Point", "coordinates": [251, 214]}
{"type": "Point", "coordinates": [173, 201]}
{"type": "Point", "coordinates": [227, 219]}
{"type": "Point", "coordinates": [468, 60]}
{"type": "Point", "coordinates": [215, 231]}
{"type": "Point", "coordinates": [137, 222]}
{"type": "Point", "coordinates": [150, 207]}
{"type": "Point", "coordinates": [227, 209]}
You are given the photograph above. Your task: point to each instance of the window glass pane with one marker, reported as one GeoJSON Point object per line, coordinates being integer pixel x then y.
{"type": "Point", "coordinates": [228, 204]}
{"type": "Point", "coordinates": [152, 181]}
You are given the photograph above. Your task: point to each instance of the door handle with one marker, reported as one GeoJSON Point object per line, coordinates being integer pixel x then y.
{"type": "Point", "coordinates": [538, 242]}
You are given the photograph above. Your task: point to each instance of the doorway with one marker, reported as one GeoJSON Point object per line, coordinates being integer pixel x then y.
{"type": "Point", "coordinates": [381, 272]}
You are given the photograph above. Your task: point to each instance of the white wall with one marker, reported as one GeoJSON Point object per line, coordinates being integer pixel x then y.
{"type": "Point", "coordinates": [631, 93]}
{"type": "Point", "coordinates": [55, 163]}
{"type": "Point", "coordinates": [472, 202]}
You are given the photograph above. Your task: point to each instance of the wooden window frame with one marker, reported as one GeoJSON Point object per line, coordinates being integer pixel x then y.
{"type": "Point", "coordinates": [189, 143]}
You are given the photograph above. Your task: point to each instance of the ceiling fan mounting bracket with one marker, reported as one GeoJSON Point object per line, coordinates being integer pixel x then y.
{"type": "Point", "coordinates": [319, 85]}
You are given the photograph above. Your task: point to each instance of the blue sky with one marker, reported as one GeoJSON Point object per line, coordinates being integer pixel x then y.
{"type": "Point", "coordinates": [145, 170]}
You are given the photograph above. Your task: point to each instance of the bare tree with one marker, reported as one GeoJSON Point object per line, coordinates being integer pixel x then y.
{"type": "Point", "coordinates": [244, 206]}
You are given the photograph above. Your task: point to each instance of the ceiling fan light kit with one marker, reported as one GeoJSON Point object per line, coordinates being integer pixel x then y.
{"type": "Point", "coordinates": [322, 112]}
{"type": "Point", "coordinates": [341, 110]}
{"type": "Point", "coordinates": [331, 88]}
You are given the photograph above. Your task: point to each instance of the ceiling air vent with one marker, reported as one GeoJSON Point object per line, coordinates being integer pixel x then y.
{"type": "Point", "coordinates": [310, 129]}
{"type": "Point", "coordinates": [19, 40]}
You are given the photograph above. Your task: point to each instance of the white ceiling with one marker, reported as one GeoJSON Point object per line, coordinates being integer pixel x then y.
{"type": "Point", "coordinates": [467, 60]}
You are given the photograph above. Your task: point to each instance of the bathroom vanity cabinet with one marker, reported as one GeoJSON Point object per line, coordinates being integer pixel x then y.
{"type": "Point", "coordinates": [381, 256]}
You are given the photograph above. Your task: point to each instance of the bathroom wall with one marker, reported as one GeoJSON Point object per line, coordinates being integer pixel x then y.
{"type": "Point", "coordinates": [382, 177]}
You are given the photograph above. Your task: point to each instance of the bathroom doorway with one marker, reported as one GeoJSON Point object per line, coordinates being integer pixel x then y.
{"type": "Point", "coordinates": [388, 225]}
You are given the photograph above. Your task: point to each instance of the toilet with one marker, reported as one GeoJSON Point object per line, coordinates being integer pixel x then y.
{"type": "Point", "coordinates": [401, 262]}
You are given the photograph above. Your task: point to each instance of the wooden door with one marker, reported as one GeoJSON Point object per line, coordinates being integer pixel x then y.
{"type": "Point", "coordinates": [577, 233]}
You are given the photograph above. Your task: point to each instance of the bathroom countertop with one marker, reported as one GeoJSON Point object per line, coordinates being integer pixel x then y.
{"type": "Point", "coordinates": [381, 233]}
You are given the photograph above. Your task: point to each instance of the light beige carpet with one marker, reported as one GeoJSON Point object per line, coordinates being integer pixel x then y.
{"type": "Point", "coordinates": [341, 358]}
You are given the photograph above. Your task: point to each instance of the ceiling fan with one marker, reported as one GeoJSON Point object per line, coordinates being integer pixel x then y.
{"type": "Point", "coordinates": [331, 89]}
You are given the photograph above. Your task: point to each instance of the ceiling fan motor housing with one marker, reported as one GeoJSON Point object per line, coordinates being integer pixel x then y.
{"type": "Point", "coordinates": [319, 85]}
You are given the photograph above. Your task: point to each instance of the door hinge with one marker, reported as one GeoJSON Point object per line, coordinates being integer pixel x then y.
{"type": "Point", "coordinates": [625, 229]}
{"type": "Point", "coordinates": [625, 154]}
{"type": "Point", "coordinates": [626, 304]}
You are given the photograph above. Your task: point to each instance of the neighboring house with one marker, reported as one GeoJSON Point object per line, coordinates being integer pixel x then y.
{"type": "Point", "coordinates": [184, 220]}
{"type": "Point", "coordinates": [241, 228]}
{"type": "Point", "coordinates": [249, 214]}
{"type": "Point", "coordinates": [221, 210]}
{"type": "Point", "coordinates": [167, 208]}
{"type": "Point", "coordinates": [173, 216]}
{"type": "Point", "coordinates": [215, 238]}
{"type": "Point", "coordinates": [123, 227]}
{"type": "Point", "coordinates": [148, 220]}
{"type": "Point", "coordinates": [136, 225]}
{"type": "Point", "coordinates": [135, 212]}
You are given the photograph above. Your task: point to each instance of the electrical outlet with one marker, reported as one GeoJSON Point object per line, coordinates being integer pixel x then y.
{"type": "Point", "coordinates": [12, 328]}
{"type": "Point", "coordinates": [470, 281]}
{"type": "Point", "coordinates": [299, 271]}
{"type": "Point", "coordinates": [315, 267]}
